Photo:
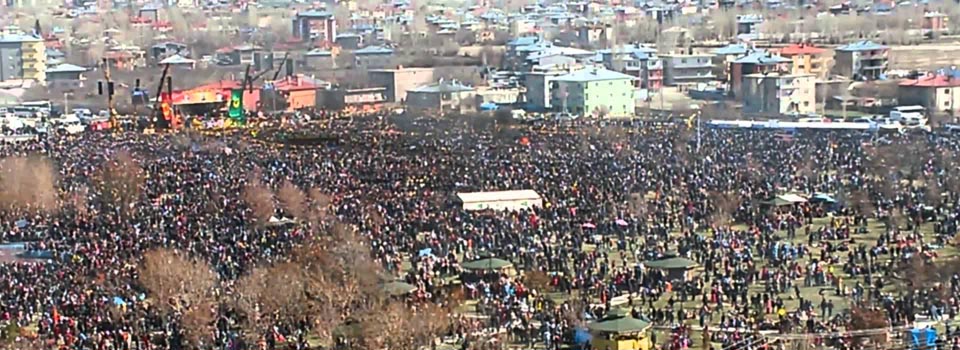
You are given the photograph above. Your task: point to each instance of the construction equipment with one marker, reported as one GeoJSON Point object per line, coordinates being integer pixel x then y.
{"type": "Point", "coordinates": [111, 112]}
{"type": "Point", "coordinates": [158, 119]}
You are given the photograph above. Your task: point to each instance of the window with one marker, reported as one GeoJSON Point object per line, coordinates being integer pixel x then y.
{"type": "Point", "coordinates": [806, 103]}
{"type": "Point", "coordinates": [683, 61]}
{"type": "Point", "coordinates": [946, 91]}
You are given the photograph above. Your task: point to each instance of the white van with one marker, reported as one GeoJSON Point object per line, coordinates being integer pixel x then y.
{"type": "Point", "coordinates": [70, 124]}
{"type": "Point", "coordinates": [909, 115]}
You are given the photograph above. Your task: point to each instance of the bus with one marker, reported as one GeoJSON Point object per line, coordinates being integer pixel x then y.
{"type": "Point", "coordinates": [42, 106]}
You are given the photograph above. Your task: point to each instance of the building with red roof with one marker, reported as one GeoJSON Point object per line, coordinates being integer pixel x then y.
{"type": "Point", "coordinates": [807, 59]}
{"type": "Point", "coordinates": [935, 91]}
{"type": "Point", "coordinates": [297, 91]}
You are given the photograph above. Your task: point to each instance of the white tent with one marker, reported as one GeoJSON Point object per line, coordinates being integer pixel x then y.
{"type": "Point", "coordinates": [500, 200]}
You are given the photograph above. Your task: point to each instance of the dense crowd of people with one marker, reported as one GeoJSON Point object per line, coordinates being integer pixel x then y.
{"type": "Point", "coordinates": [615, 195]}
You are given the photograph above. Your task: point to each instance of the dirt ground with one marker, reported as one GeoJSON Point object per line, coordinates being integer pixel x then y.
{"type": "Point", "coordinates": [926, 56]}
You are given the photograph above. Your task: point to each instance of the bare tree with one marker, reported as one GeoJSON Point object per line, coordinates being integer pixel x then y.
{"type": "Point", "coordinates": [183, 286]}
{"type": "Point", "coordinates": [121, 182]}
{"type": "Point", "coordinates": [724, 206]}
{"type": "Point", "coordinates": [863, 318]}
{"type": "Point", "coordinates": [175, 279]}
{"type": "Point", "coordinates": [28, 183]}
{"type": "Point", "coordinates": [259, 199]}
{"type": "Point", "coordinates": [292, 200]}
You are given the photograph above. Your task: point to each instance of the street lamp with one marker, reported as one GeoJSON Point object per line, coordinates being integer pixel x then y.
{"type": "Point", "coordinates": [66, 102]}
{"type": "Point", "coordinates": [696, 108]}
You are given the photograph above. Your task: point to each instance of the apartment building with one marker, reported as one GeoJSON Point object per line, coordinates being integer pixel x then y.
{"type": "Point", "coordinates": [594, 91]}
{"type": "Point", "coordinates": [862, 60]}
{"type": "Point", "coordinates": [807, 59]}
{"type": "Point", "coordinates": [22, 58]}
{"type": "Point", "coordinates": [639, 61]}
{"type": "Point", "coordinates": [679, 69]}
{"type": "Point", "coordinates": [778, 94]}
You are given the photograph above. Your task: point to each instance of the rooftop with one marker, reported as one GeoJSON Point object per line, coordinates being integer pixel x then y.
{"type": "Point", "coordinates": [801, 49]}
{"type": "Point", "coordinates": [18, 38]}
{"type": "Point", "coordinates": [733, 49]}
{"type": "Point", "coordinates": [933, 80]}
{"type": "Point", "coordinates": [751, 18]}
{"type": "Point", "coordinates": [593, 74]}
{"type": "Point", "coordinates": [443, 87]}
{"type": "Point", "coordinates": [865, 45]}
{"type": "Point", "coordinates": [177, 59]}
{"type": "Point", "coordinates": [558, 50]}
{"type": "Point", "coordinates": [314, 13]}
{"type": "Point", "coordinates": [684, 55]}
{"type": "Point", "coordinates": [761, 58]}
{"type": "Point", "coordinates": [318, 52]}
{"type": "Point", "coordinates": [297, 83]}
{"type": "Point", "coordinates": [66, 68]}
{"type": "Point", "coordinates": [777, 75]}
{"type": "Point", "coordinates": [628, 49]}
{"type": "Point", "coordinates": [374, 50]}
{"type": "Point", "coordinates": [523, 41]}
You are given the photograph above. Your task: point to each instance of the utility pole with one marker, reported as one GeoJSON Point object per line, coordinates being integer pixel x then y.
{"type": "Point", "coordinates": [697, 114]}
{"type": "Point", "coordinates": [112, 113]}
{"type": "Point", "coordinates": [66, 102]}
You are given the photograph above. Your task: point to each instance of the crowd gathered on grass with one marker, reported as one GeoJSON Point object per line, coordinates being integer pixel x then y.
{"type": "Point", "coordinates": [137, 241]}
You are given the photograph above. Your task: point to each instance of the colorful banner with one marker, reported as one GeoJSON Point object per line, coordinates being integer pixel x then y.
{"type": "Point", "coordinates": [166, 111]}
{"type": "Point", "coordinates": [236, 106]}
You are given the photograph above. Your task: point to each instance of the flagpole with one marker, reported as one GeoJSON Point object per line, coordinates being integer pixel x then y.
{"type": "Point", "coordinates": [698, 130]}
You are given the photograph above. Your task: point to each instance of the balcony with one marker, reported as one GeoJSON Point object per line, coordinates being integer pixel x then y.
{"type": "Point", "coordinates": [874, 66]}
{"type": "Point", "coordinates": [690, 65]}
{"type": "Point", "coordinates": [875, 54]}
{"type": "Point", "coordinates": [694, 77]}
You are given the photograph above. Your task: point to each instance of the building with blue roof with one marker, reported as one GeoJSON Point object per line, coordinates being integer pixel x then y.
{"type": "Point", "coordinates": [725, 56]}
{"type": "Point", "coordinates": [594, 91]}
{"type": "Point", "coordinates": [755, 62]}
{"type": "Point", "coordinates": [318, 58]}
{"type": "Point", "coordinates": [738, 49]}
{"type": "Point", "coordinates": [863, 45]}
{"type": "Point", "coordinates": [862, 60]}
{"type": "Point", "coordinates": [315, 25]}
{"type": "Point", "coordinates": [374, 57]}
{"type": "Point", "coordinates": [66, 76]}
{"type": "Point", "coordinates": [443, 96]}
{"type": "Point", "coordinates": [22, 57]}
{"type": "Point", "coordinates": [636, 60]}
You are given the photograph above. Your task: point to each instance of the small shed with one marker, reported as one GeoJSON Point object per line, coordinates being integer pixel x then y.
{"type": "Point", "coordinates": [487, 264]}
{"type": "Point", "coordinates": [785, 199]}
{"type": "Point", "coordinates": [675, 268]}
{"type": "Point", "coordinates": [500, 200]}
{"type": "Point", "coordinates": [178, 61]}
{"type": "Point", "coordinates": [620, 331]}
